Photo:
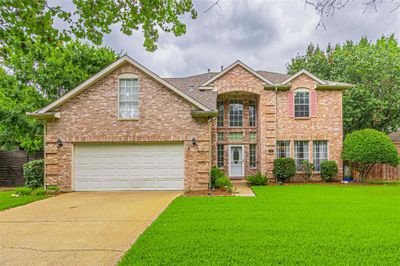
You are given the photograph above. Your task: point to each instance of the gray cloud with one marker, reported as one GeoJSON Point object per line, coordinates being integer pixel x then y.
{"type": "Point", "coordinates": [264, 34]}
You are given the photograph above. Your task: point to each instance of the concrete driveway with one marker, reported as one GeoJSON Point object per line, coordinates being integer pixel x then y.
{"type": "Point", "coordinates": [93, 228]}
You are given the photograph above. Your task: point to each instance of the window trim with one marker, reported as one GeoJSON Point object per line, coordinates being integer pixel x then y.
{"type": "Point", "coordinates": [255, 156]}
{"type": "Point", "coordinates": [127, 76]}
{"type": "Point", "coordinates": [229, 114]}
{"type": "Point", "coordinates": [309, 103]}
{"type": "Point", "coordinates": [327, 153]}
{"type": "Point", "coordinates": [294, 153]}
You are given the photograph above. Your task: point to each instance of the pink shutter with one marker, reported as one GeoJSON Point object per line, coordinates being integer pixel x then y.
{"type": "Point", "coordinates": [313, 104]}
{"type": "Point", "coordinates": [290, 104]}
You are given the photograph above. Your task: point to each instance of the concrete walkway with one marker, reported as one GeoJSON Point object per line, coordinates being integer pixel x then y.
{"type": "Point", "coordinates": [78, 228]}
{"type": "Point", "coordinates": [243, 189]}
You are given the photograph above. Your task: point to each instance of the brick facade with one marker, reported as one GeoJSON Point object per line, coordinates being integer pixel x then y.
{"type": "Point", "coordinates": [92, 117]}
{"type": "Point", "coordinates": [164, 116]}
{"type": "Point", "coordinates": [274, 123]}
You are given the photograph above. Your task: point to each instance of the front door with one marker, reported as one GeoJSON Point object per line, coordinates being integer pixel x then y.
{"type": "Point", "coordinates": [236, 161]}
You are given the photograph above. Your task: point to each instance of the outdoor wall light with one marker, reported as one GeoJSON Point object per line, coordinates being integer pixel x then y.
{"type": "Point", "coordinates": [194, 141]}
{"type": "Point", "coordinates": [59, 142]}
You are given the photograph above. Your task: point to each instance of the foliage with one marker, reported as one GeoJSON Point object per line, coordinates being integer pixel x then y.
{"type": "Point", "coordinates": [368, 147]}
{"type": "Point", "coordinates": [27, 22]}
{"type": "Point", "coordinates": [34, 173]}
{"type": "Point", "coordinates": [38, 77]}
{"type": "Point", "coordinates": [329, 170]}
{"type": "Point", "coordinates": [284, 168]}
{"type": "Point", "coordinates": [215, 173]}
{"type": "Point", "coordinates": [307, 168]}
{"type": "Point", "coordinates": [373, 68]}
{"type": "Point", "coordinates": [258, 179]}
{"type": "Point", "coordinates": [223, 182]}
{"type": "Point", "coordinates": [23, 191]}
{"type": "Point", "coordinates": [53, 188]}
{"type": "Point", "coordinates": [8, 201]}
{"type": "Point", "coordinates": [277, 227]}
{"type": "Point", "coordinates": [39, 192]}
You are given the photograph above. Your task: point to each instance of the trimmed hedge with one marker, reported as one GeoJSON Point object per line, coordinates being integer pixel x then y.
{"type": "Point", "coordinates": [329, 170]}
{"type": "Point", "coordinates": [284, 168]}
{"type": "Point", "coordinates": [34, 174]}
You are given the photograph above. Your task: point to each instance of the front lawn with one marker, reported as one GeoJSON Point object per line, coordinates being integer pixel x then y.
{"type": "Point", "coordinates": [6, 201]}
{"type": "Point", "coordinates": [298, 224]}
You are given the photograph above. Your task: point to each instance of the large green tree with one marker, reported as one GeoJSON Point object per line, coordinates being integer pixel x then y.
{"type": "Point", "coordinates": [373, 67]}
{"type": "Point", "coordinates": [31, 80]}
{"type": "Point", "coordinates": [42, 21]}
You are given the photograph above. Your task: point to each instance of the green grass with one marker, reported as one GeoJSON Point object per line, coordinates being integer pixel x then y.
{"type": "Point", "coordinates": [6, 201]}
{"type": "Point", "coordinates": [301, 224]}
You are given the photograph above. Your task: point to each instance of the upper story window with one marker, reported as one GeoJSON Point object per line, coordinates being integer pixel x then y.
{"type": "Point", "coordinates": [128, 96]}
{"type": "Point", "coordinates": [220, 118]}
{"type": "Point", "coordinates": [236, 113]}
{"type": "Point", "coordinates": [302, 103]}
{"type": "Point", "coordinates": [252, 113]}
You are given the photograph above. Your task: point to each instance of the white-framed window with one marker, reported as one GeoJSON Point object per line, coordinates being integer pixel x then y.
{"type": "Point", "coordinates": [252, 113]}
{"type": "Point", "coordinates": [236, 113]}
{"type": "Point", "coordinates": [220, 136]}
{"type": "Point", "coordinates": [301, 153]}
{"type": "Point", "coordinates": [128, 96]}
{"type": "Point", "coordinates": [253, 155]}
{"type": "Point", "coordinates": [220, 155]}
{"type": "Point", "coordinates": [302, 103]}
{"type": "Point", "coordinates": [283, 149]}
{"type": "Point", "coordinates": [220, 117]}
{"type": "Point", "coordinates": [320, 153]}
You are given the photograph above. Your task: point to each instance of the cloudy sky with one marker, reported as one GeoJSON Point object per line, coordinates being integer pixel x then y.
{"type": "Point", "coordinates": [264, 34]}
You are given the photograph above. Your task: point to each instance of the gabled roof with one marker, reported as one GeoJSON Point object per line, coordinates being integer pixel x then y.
{"type": "Point", "coordinates": [107, 70]}
{"type": "Point", "coordinates": [305, 72]}
{"type": "Point", "coordinates": [237, 63]}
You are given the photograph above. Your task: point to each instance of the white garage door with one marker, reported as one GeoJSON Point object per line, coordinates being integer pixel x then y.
{"type": "Point", "coordinates": [128, 167]}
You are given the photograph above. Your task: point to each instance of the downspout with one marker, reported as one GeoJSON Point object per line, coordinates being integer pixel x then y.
{"type": "Point", "coordinates": [210, 119]}
{"type": "Point", "coordinates": [276, 120]}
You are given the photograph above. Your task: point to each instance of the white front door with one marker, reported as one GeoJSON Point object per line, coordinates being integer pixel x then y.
{"type": "Point", "coordinates": [235, 161]}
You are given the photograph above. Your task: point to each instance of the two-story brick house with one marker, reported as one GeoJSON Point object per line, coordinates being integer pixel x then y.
{"type": "Point", "coordinates": [128, 129]}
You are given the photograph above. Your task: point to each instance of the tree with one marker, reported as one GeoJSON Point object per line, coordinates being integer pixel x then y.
{"type": "Point", "coordinates": [368, 147]}
{"type": "Point", "coordinates": [23, 23]}
{"type": "Point", "coordinates": [38, 77]}
{"type": "Point", "coordinates": [374, 101]}
{"type": "Point", "coordinates": [326, 8]}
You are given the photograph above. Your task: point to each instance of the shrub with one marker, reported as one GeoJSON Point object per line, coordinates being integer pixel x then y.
{"type": "Point", "coordinates": [23, 191]}
{"type": "Point", "coordinates": [34, 173]}
{"type": "Point", "coordinates": [284, 168]}
{"type": "Point", "coordinates": [329, 170]}
{"type": "Point", "coordinates": [307, 168]}
{"type": "Point", "coordinates": [223, 182]}
{"type": "Point", "coordinates": [258, 179]}
{"type": "Point", "coordinates": [368, 147]}
{"type": "Point", "coordinates": [39, 192]}
{"type": "Point", "coordinates": [215, 173]}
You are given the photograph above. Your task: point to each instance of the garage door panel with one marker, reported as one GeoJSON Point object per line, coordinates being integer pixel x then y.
{"type": "Point", "coordinates": [129, 167]}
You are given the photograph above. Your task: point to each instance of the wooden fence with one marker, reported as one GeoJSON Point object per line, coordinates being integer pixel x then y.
{"type": "Point", "coordinates": [11, 166]}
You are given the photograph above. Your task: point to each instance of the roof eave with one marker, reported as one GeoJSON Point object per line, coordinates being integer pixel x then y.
{"type": "Point", "coordinates": [44, 116]}
{"type": "Point", "coordinates": [278, 87]}
{"type": "Point", "coordinates": [333, 86]}
{"type": "Point", "coordinates": [198, 113]}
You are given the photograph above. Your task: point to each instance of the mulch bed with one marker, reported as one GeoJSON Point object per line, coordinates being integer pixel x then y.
{"type": "Point", "coordinates": [209, 192]}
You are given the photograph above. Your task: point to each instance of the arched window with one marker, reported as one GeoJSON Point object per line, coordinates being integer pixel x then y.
{"type": "Point", "coordinates": [128, 96]}
{"type": "Point", "coordinates": [302, 103]}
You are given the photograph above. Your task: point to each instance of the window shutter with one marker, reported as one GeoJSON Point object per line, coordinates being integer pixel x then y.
{"type": "Point", "coordinates": [313, 104]}
{"type": "Point", "coordinates": [290, 104]}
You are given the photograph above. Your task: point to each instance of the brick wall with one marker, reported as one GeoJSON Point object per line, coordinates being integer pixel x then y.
{"type": "Point", "coordinates": [92, 117]}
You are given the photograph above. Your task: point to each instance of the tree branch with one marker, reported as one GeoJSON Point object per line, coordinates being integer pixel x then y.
{"type": "Point", "coordinates": [216, 3]}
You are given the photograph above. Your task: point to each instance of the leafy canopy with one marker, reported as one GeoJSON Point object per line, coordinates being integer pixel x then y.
{"type": "Point", "coordinates": [374, 101]}
{"type": "Point", "coordinates": [368, 147]}
{"type": "Point", "coordinates": [43, 21]}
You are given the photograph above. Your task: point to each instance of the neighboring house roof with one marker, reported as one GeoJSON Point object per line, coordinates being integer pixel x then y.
{"type": "Point", "coordinates": [395, 136]}
{"type": "Point", "coordinates": [192, 88]}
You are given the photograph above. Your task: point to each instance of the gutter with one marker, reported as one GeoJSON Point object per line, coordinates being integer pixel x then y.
{"type": "Point", "coordinates": [278, 87]}
{"type": "Point", "coordinates": [333, 87]}
{"type": "Point", "coordinates": [197, 113]}
{"type": "Point", "coordinates": [44, 116]}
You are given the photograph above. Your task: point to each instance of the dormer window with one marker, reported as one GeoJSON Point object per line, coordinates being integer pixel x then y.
{"type": "Point", "coordinates": [128, 96]}
{"type": "Point", "coordinates": [302, 103]}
